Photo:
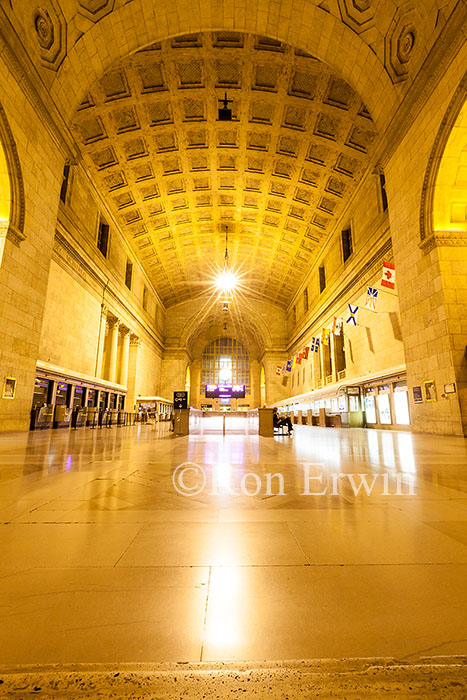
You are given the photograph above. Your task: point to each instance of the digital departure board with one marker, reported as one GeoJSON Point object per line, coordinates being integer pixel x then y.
{"type": "Point", "coordinates": [225, 391]}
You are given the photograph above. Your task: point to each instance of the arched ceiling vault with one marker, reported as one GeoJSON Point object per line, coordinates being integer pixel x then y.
{"type": "Point", "coordinates": [278, 175]}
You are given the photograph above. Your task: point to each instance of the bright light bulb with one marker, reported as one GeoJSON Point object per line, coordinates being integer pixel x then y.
{"type": "Point", "coordinates": [226, 281]}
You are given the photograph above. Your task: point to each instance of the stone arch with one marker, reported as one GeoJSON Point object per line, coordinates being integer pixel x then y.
{"type": "Point", "coordinates": [299, 23]}
{"type": "Point", "coordinates": [11, 186]}
{"type": "Point", "coordinates": [203, 328]}
{"type": "Point", "coordinates": [444, 165]}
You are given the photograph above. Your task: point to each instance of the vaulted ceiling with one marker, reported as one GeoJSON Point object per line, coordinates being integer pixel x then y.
{"type": "Point", "coordinates": [278, 175]}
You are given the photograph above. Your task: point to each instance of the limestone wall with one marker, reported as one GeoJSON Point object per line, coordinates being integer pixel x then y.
{"type": "Point", "coordinates": [81, 282]}
{"type": "Point", "coordinates": [24, 266]}
{"type": "Point", "coordinates": [375, 344]}
{"type": "Point", "coordinates": [433, 277]}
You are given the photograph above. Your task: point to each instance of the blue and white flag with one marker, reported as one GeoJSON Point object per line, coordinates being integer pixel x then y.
{"type": "Point", "coordinates": [314, 345]}
{"type": "Point", "coordinates": [288, 366]}
{"type": "Point", "coordinates": [353, 310]}
{"type": "Point", "coordinates": [371, 297]}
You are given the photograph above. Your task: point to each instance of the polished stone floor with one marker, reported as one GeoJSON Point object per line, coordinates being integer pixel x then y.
{"type": "Point", "coordinates": [131, 545]}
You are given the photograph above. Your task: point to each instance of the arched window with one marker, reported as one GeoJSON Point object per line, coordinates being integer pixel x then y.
{"type": "Point", "coordinates": [225, 361]}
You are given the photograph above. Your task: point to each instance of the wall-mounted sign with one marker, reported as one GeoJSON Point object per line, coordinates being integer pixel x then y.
{"type": "Point", "coordinates": [225, 391]}
{"type": "Point", "coordinates": [430, 390]}
{"type": "Point", "coordinates": [353, 390]}
{"type": "Point", "coordinates": [9, 388]}
{"type": "Point", "coordinates": [450, 388]}
{"type": "Point", "coordinates": [180, 399]}
{"type": "Point", "coordinates": [417, 394]}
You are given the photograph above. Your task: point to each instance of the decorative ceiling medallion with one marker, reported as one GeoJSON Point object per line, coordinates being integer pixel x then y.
{"type": "Point", "coordinates": [50, 29]}
{"type": "Point", "coordinates": [95, 9]}
{"type": "Point", "coordinates": [44, 28]}
{"type": "Point", "coordinates": [401, 42]}
{"type": "Point", "coordinates": [357, 14]}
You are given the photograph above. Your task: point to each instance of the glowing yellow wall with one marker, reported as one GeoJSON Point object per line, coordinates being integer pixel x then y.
{"type": "Point", "coordinates": [4, 191]}
{"type": "Point", "coordinates": [450, 198]}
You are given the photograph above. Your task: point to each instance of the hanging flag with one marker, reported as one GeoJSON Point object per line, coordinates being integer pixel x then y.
{"type": "Point", "coordinates": [294, 361]}
{"type": "Point", "coordinates": [278, 369]}
{"type": "Point", "coordinates": [389, 276]}
{"type": "Point", "coordinates": [353, 310]}
{"type": "Point", "coordinates": [371, 296]}
{"type": "Point", "coordinates": [288, 366]}
{"type": "Point", "coordinates": [325, 336]}
{"type": "Point", "coordinates": [314, 344]}
{"type": "Point", "coordinates": [337, 325]}
{"type": "Point", "coordinates": [298, 359]}
{"type": "Point", "coordinates": [305, 353]}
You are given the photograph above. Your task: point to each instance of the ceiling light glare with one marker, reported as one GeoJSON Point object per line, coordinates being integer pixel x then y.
{"type": "Point", "coordinates": [226, 281]}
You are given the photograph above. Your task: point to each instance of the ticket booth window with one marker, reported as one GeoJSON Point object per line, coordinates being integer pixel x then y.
{"type": "Point", "coordinates": [91, 397]}
{"type": "Point", "coordinates": [103, 400]}
{"type": "Point", "coordinates": [61, 395]}
{"type": "Point", "coordinates": [78, 397]}
{"type": "Point", "coordinates": [370, 408]}
{"type": "Point", "coordinates": [401, 404]}
{"type": "Point", "coordinates": [41, 393]}
{"type": "Point", "coordinates": [384, 409]}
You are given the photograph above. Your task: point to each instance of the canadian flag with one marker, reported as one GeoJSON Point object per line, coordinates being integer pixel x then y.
{"type": "Point", "coordinates": [278, 369]}
{"type": "Point", "coordinates": [389, 276]}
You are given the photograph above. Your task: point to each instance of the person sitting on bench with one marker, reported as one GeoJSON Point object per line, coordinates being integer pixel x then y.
{"type": "Point", "coordinates": [280, 422]}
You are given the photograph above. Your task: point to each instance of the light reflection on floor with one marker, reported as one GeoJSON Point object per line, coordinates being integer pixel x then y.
{"type": "Point", "coordinates": [102, 559]}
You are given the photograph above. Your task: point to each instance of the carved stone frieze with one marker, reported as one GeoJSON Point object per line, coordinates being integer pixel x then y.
{"type": "Point", "coordinates": [440, 239]}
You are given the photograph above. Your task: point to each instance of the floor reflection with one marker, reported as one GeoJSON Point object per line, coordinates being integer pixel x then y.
{"type": "Point", "coordinates": [104, 559]}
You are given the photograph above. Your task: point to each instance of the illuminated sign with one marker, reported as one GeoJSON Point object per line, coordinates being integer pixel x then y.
{"type": "Point", "coordinates": [225, 391]}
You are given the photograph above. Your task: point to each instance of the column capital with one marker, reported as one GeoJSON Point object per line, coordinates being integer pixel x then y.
{"type": "Point", "coordinates": [104, 310]}
{"type": "Point", "coordinates": [124, 331]}
{"type": "Point", "coordinates": [113, 322]}
{"type": "Point", "coordinates": [135, 341]}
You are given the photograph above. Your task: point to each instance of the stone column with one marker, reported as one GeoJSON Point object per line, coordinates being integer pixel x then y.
{"type": "Point", "coordinates": [101, 341]}
{"type": "Point", "coordinates": [124, 356]}
{"type": "Point", "coordinates": [113, 350]}
{"type": "Point", "coordinates": [275, 391]}
{"type": "Point", "coordinates": [134, 346]}
{"type": "Point", "coordinates": [173, 371]}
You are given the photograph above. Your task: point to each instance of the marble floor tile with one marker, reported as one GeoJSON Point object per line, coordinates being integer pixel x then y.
{"type": "Point", "coordinates": [335, 612]}
{"type": "Point", "coordinates": [102, 614]}
{"type": "Point", "coordinates": [213, 544]}
{"type": "Point", "coordinates": [40, 545]}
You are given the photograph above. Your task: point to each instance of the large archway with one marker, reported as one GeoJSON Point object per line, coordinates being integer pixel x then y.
{"type": "Point", "coordinates": [308, 27]}
{"type": "Point", "coordinates": [11, 188]}
{"type": "Point", "coordinates": [5, 201]}
{"type": "Point", "coordinates": [444, 197]}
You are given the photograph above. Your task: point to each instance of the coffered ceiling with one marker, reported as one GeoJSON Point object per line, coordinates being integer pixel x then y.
{"type": "Point", "coordinates": [278, 175]}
